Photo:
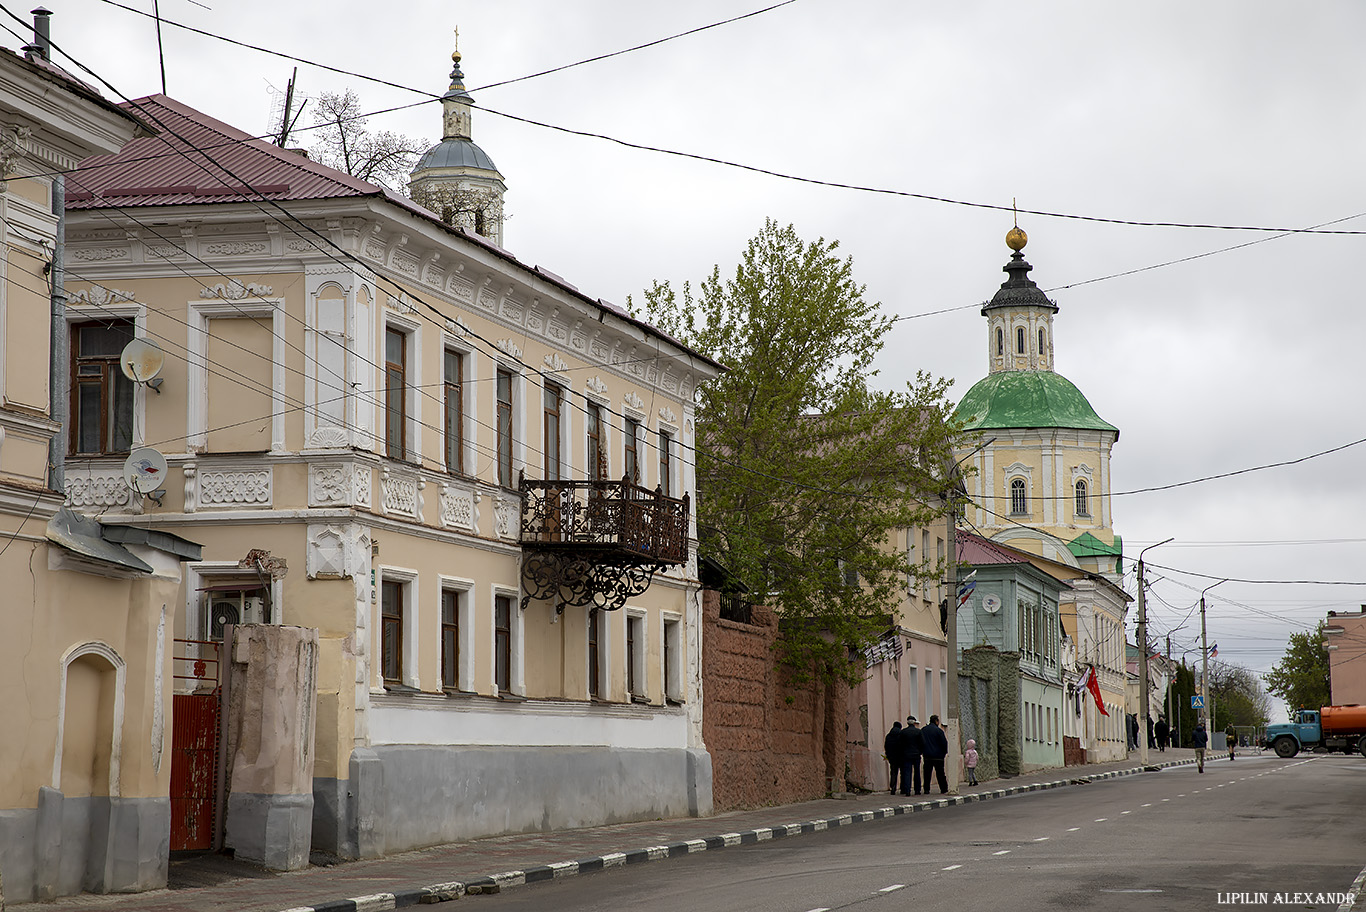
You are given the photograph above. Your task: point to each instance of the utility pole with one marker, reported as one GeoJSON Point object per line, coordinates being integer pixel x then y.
{"type": "Point", "coordinates": [1171, 675]}
{"type": "Point", "coordinates": [1144, 719]}
{"type": "Point", "coordinates": [951, 616]}
{"type": "Point", "coordinates": [1204, 659]}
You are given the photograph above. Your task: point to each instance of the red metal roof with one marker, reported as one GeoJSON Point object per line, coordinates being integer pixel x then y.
{"type": "Point", "coordinates": [197, 159]}
{"type": "Point", "coordinates": [974, 549]}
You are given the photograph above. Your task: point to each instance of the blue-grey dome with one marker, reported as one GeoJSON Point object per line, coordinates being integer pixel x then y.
{"type": "Point", "coordinates": [455, 153]}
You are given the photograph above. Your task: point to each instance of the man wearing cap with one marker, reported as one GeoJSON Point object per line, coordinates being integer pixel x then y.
{"type": "Point", "coordinates": [936, 749]}
{"type": "Point", "coordinates": [912, 746]}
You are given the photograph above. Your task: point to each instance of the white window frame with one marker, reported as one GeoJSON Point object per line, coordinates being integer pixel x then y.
{"type": "Point", "coordinates": [671, 642]}
{"type": "Point", "coordinates": [516, 648]}
{"type": "Point", "coordinates": [413, 379]}
{"type": "Point", "coordinates": [464, 672]}
{"type": "Point", "coordinates": [86, 313]}
{"type": "Point", "coordinates": [409, 674]}
{"type": "Point", "coordinates": [197, 365]}
{"type": "Point", "coordinates": [605, 679]}
{"type": "Point", "coordinates": [468, 403]}
{"type": "Point", "coordinates": [637, 660]}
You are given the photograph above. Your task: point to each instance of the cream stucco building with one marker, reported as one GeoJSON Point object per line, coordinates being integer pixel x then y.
{"type": "Point", "coordinates": [89, 608]}
{"type": "Point", "coordinates": [1040, 482]}
{"type": "Point", "coordinates": [469, 476]}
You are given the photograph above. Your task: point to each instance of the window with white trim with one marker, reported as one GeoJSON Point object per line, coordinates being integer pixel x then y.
{"type": "Point", "coordinates": [1019, 503]}
{"type": "Point", "coordinates": [635, 656]}
{"type": "Point", "coordinates": [101, 396]}
{"type": "Point", "coordinates": [1082, 503]}
{"type": "Point", "coordinates": [673, 659]}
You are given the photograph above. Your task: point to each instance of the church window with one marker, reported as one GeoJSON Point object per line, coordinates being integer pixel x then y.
{"type": "Point", "coordinates": [1083, 508]}
{"type": "Point", "coordinates": [1018, 504]}
{"type": "Point", "coordinates": [1019, 340]}
{"type": "Point", "coordinates": [1000, 341]}
{"type": "Point", "coordinates": [1041, 345]}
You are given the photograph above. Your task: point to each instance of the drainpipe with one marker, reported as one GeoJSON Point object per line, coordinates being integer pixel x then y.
{"type": "Point", "coordinates": [59, 403]}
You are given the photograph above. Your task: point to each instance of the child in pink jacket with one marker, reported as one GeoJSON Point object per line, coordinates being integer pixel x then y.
{"type": "Point", "coordinates": [970, 758]}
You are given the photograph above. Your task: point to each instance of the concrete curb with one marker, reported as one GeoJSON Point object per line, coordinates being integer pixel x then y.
{"type": "Point", "coordinates": [495, 883]}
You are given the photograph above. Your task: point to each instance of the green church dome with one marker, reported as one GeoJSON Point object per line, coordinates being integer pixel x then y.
{"type": "Point", "coordinates": [1028, 399]}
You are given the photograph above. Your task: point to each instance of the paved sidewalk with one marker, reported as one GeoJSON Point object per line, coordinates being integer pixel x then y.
{"type": "Point", "coordinates": [488, 865]}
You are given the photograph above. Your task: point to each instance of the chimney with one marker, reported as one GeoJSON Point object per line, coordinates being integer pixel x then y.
{"type": "Point", "coordinates": [42, 35]}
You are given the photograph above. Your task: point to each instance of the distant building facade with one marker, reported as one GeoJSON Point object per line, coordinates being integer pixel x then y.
{"type": "Point", "coordinates": [1345, 639]}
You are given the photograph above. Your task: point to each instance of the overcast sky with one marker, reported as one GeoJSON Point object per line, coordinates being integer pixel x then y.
{"type": "Point", "coordinates": [1245, 113]}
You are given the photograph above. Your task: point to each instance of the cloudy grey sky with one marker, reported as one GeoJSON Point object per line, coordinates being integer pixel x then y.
{"type": "Point", "coordinates": [1226, 112]}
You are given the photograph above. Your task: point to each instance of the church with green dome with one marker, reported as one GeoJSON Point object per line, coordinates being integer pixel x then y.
{"type": "Point", "coordinates": [1043, 482]}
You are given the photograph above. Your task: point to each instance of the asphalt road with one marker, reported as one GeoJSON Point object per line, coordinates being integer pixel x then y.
{"type": "Point", "coordinates": [1170, 840]}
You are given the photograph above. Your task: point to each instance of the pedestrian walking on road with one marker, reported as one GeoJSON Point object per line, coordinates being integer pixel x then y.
{"type": "Point", "coordinates": [1232, 734]}
{"type": "Point", "coordinates": [970, 759]}
{"type": "Point", "coordinates": [1200, 741]}
{"type": "Point", "coordinates": [912, 746]}
{"type": "Point", "coordinates": [1163, 731]}
{"type": "Point", "coordinates": [891, 749]}
{"type": "Point", "coordinates": [936, 749]}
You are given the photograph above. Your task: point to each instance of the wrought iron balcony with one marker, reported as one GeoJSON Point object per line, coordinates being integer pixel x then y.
{"type": "Point", "coordinates": [597, 542]}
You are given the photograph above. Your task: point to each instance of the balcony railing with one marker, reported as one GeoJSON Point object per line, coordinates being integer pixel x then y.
{"type": "Point", "coordinates": [618, 520]}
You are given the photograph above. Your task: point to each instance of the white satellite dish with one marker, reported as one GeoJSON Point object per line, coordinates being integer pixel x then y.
{"type": "Point", "coordinates": [991, 603]}
{"type": "Point", "coordinates": [144, 470]}
{"type": "Point", "coordinates": [141, 361]}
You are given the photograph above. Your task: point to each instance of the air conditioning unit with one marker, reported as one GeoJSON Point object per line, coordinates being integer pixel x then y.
{"type": "Point", "coordinates": [231, 608]}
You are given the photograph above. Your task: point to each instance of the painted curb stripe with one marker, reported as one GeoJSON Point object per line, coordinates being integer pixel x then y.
{"type": "Point", "coordinates": [381, 902]}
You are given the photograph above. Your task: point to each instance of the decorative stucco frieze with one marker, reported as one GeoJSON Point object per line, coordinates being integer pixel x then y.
{"type": "Point", "coordinates": [235, 290]}
{"type": "Point", "coordinates": [668, 416]}
{"type": "Point", "coordinates": [506, 517]}
{"type": "Point", "coordinates": [402, 304]}
{"type": "Point", "coordinates": [330, 484]}
{"type": "Point", "coordinates": [364, 482]}
{"type": "Point", "coordinates": [461, 289]}
{"type": "Point", "coordinates": [329, 556]}
{"type": "Point", "coordinates": [509, 347]}
{"type": "Point", "coordinates": [234, 488]}
{"type": "Point", "coordinates": [237, 248]}
{"type": "Point", "coordinates": [327, 438]}
{"type": "Point", "coordinates": [596, 385]}
{"type": "Point", "coordinates": [102, 487]}
{"type": "Point", "coordinates": [166, 251]}
{"type": "Point", "coordinates": [556, 363]}
{"type": "Point", "coordinates": [401, 494]}
{"type": "Point", "coordinates": [458, 507]}
{"type": "Point", "coordinates": [633, 400]}
{"type": "Point", "coordinates": [99, 296]}
{"type": "Point", "coordinates": [97, 254]}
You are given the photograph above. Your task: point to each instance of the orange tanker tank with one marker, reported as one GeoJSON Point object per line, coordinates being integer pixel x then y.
{"type": "Point", "coordinates": [1341, 719]}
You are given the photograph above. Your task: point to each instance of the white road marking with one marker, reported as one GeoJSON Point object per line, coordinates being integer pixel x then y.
{"type": "Point", "coordinates": [893, 888]}
{"type": "Point", "coordinates": [1166, 799]}
{"type": "Point", "coordinates": [1041, 839]}
{"type": "Point", "coordinates": [1073, 829]}
{"type": "Point", "coordinates": [951, 868]}
{"type": "Point", "coordinates": [1145, 805]}
{"type": "Point", "coordinates": [1002, 852]}
{"type": "Point", "coordinates": [1122, 813]}
{"type": "Point", "coordinates": [819, 909]}
{"type": "Point", "coordinates": [1101, 819]}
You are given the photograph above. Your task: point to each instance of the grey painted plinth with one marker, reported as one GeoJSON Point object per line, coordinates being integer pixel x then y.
{"type": "Point", "coordinates": [274, 831]}
{"type": "Point", "coordinates": [72, 845]}
{"type": "Point", "coordinates": [402, 797]}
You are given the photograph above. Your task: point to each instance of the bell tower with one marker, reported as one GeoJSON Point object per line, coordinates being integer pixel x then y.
{"type": "Point", "coordinates": [1019, 317]}
{"type": "Point", "coordinates": [455, 178]}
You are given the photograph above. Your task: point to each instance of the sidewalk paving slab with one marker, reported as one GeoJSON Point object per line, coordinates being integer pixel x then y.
{"type": "Point", "coordinates": [492, 864]}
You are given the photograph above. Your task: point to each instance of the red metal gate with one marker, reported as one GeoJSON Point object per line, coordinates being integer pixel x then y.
{"type": "Point", "coordinates": [194, 747]}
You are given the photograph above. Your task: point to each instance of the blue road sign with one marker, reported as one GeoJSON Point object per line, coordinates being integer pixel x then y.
{"type": "Point", "coordinates": [1197, 702]}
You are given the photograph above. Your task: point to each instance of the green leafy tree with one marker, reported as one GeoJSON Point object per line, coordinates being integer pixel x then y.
{"type": "Point", "coordinates": [1238, 696]}
{"type": "Point", "coordinates": [1301, 678]}
{"type": "Point", "coordinates": [804, 470]}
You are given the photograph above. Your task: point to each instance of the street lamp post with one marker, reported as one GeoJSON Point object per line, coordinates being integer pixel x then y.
{"type": "Point", "coordinates": [1204, 659]}
{"type": "Point", "coordinates": [1144, 723]}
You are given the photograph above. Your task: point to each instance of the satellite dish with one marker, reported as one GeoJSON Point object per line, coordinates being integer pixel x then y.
{"type": "Point", "coordinates": [144, 470]}
{"type": "Point", "coordinates": [142, 361]}
{"type": "Point", "coordinates": [991, 603]}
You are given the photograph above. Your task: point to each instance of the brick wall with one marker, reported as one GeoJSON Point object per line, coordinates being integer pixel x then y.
{"type": "Point", "coordinates": [770, 742]}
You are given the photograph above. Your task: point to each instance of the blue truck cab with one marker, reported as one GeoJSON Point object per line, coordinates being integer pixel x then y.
{"type": "Point", "coordinates": [1289, 738]}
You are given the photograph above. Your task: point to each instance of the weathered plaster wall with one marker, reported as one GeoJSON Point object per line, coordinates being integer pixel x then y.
{"type": "Point", "coordinates": [770, 743]}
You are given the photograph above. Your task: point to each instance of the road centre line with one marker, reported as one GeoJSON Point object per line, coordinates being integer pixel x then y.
{"type": "Point", "coordinates": [1101, 819]}
{"type": "Point", "coordinates": [951, 868]}
{"type": "Point", "coordinates": [1002, 852]}
{"type": "Point", "coordinates": [1073, 829]}
{"type": "Point", "coordinates": [1041, 839]}
{"type": "Point", "coordinates": [1125, 812]}
{"type": "Point", "coordinates": [893, 888]}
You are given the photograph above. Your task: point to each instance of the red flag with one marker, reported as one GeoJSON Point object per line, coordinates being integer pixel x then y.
{"type": "Point", "coordinates": [1094, 686]}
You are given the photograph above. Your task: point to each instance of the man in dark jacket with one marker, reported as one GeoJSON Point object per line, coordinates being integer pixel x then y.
{"type": "Point", "coordinates": [912, 746]}
{"type": "Point", "coordinates": [1163, 732]}
{"type": "Point", "coordinates": [936, 749]}
{"type": "Point", "coordinates": [891, 748]}
{"type": "Point", "coordinates": [1200, 741]}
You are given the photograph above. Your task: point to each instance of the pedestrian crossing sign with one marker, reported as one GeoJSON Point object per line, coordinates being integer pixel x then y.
{"type": "Point", "coordinates": [1197, 702]}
